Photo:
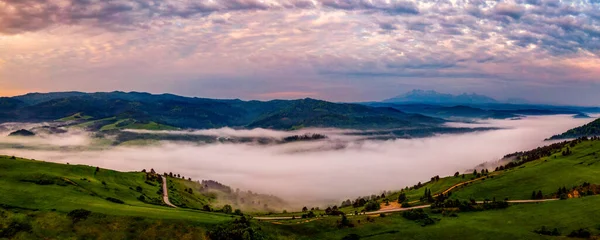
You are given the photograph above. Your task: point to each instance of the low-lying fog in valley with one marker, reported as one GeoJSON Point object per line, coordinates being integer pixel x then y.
{"type": "Point", "coordinates": [324, 171]}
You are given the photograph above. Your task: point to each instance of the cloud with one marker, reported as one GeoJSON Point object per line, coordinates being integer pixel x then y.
{"type": "Point", "coordinates": [321, 172]}
{"type": "Point", "coordinates": [511, 10]}
{"type": "Point", "coordinates": [299, 48]}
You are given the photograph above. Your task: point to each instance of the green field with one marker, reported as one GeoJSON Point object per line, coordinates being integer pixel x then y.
{"type": "Point", "coordinates": [49, 186]}
{"type": "Point", "coordinates": [515, 222]}
{"type": "Point", "coordinates": [75, 117]}
{"type": "Point", "coordinates": [133, 124]}
{"type": "Point", "coordinates": [546, 174]}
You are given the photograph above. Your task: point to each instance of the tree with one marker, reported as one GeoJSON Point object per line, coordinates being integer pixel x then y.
{"type": "Point", "coordinates": [402, 197]}
{"type": "Point", "coordinates": [304, 209]}
{"type": "Point", "coordinates": [372, 206]}
{"type": "Point", "coordinates": [539, 195]}
{"type": "Point", "coordinates": [144, 170]}
{"type": "Point", "coordinates": [475, 172]}
{"type": "Point", "coordinates": [344, 222]}
{"type": "Point", "coordinates": [238, 212]}
{"type": "Point", "coordinates": [227, 209]}
{"type": "Point", "coordinates": [456, 174]}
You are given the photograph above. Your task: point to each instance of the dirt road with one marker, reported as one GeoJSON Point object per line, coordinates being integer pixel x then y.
{"type": "Point", "coordinates": [166, 192]}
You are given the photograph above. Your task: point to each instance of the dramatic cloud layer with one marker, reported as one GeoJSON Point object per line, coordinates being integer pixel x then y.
{"type": "Point", "coordinates": [346, 50]}
{"type": "Point", "coordinates": [307, 171]}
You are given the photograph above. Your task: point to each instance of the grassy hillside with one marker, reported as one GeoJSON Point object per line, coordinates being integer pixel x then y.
{"type": "Point", "coordinates": [546, 174]}
{"type": "Point", "coordinates": [30, 224]}
{"type": "Point", "coordinates": [63, 188]}
{"type": "Point", "coordinates": [133, 124]}
{"type": "Point", "coordinates": [515, 222]}
{"type": "Point", "coordinates": [75, 117]}
{"type": "Point", "coordinates": [588, 130]}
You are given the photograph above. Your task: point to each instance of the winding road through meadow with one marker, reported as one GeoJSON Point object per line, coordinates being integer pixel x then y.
{"type": "Point", "coordinates": [166, 200]}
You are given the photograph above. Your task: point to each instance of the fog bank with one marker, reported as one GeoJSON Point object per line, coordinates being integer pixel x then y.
{"type": "Point", "coordinates": [295, 173]}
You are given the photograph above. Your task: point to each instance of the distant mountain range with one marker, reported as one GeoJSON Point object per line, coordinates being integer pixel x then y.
{"type": "Point", "coordinates": [110, 110]}
{"type": "Point", "coordinates": [430, 96]}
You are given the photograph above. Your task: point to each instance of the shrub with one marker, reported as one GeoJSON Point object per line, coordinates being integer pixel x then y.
{"type": "Point", "coordinates": [115, 200]}
{"type": "Point", "coordinates": [581, 233]}
{"type": "Point", "coordinates": [418, 215]}
{"type": "Point", "coordinates": [227, 209]}
{"type": "Point", "coordinates": [13, 228]}
{"type": "Point", "coordinates": [372, 206]}
{"type": "Point", "coordinates": [238, 229]}
{"type": "Point", "coordinates": [545, 231]}
{"type": "Point", "coordinates": [79, 214]}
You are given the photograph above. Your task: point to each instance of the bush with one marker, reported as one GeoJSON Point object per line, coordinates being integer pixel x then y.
{"type": "Point", "coordinates": [238, 212]}
{"type": "Point", "coordinates": [79, 214]}
{"type": "Point", "coordinates": [238, 229]}
{"type": "Point", "coordinates": [418, 215]}
{"type": "Point", "coordinates": [545, 231]}
{"type": "Point", "coordinates": [372, 206]}
{"type": "Point", "coordinates": [344, 222]}
{"type": "Point", "coordinates": [115, 200]}
{"type": "Point", "coordinates": [310, 214]}
{"type": "Point", "coordinates": [13, 228]}
{"type": "Point", "coordinates": [581, 233]}
{"type": "Point", "coordinates": [227, 209]}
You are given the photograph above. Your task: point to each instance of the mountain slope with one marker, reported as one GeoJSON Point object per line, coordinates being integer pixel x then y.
{"type": "Point", "coordinates": [201, 113]}
{"type": "Point", "coordinates": [588, 130]}
{"type": "Point", "coordinates": [316, 113]}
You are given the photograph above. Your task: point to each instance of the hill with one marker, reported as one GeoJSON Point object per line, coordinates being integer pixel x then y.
{"type": "Point", "coordinates": [588, 130]}
{"type": "Point", "coordinates": [166, 111]}
{"type": "Point", "coordinates": [21, 133]}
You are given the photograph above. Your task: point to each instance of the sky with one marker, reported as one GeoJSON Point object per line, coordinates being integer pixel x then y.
{"type": "Point", "coordinates": [338, 50]}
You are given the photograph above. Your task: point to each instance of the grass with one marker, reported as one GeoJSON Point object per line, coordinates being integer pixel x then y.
{"type": "Point", "coordinates": [546, 174]}
{"type": "Point", "coordinates": [94, 122]}
{"type": "Point", "coordinates": [133, 124]}
{"type": "Point", "coordinates": [74, 117]}
{"type": "Point", "coordinates": [49, 186]}
{"type": "Point", "coordinates": [515, 222]}
{"type": "Point", "coordinates": [436, 187]}
{"type": "Point", "coordinates": [56, 225]}
{"type": "Point", "coordinates": [179, 194]}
